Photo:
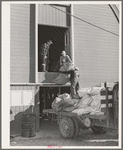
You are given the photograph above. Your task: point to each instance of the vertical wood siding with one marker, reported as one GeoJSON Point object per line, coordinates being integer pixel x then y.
{"type": "Point", "coordinates": [21, 98]}
{"type": "Point", "coordinates": [96, 51]}
{"type": "Point", "coordinates": [32, 44]}
{"type": "Point", "coordinates": [51, 16]}
{"type": "Point", "coordinates": [20, 43]}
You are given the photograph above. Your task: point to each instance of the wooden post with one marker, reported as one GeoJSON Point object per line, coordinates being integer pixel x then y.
{"type": "Point", "coordinates": [107, 109]}
{"type": "Point", "coordinates": [59, 90]}
{"type": "Point", "coordinates": [44, 98]}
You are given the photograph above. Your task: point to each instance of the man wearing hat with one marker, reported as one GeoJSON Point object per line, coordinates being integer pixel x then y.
{"type": "Point", "coordinates": [74, 80]}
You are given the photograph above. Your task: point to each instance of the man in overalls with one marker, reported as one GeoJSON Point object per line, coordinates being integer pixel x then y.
{"type": "Point", "coordinates": [74, 80]}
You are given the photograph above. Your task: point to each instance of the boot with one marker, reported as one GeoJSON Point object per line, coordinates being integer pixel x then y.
{"type": "Point", "coordinates": [76, 96]}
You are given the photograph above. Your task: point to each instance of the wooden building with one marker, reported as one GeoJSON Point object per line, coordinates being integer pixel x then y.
{"type": "Point", "coordinates": [89, 33]}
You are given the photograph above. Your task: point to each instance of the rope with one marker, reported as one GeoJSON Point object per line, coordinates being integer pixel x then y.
{"type": "Point", "coordinates": [83, 20]}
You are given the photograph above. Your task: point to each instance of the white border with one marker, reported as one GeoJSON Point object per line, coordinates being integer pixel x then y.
{"type": "Point", "coordinates": [5, 30]}
{"type": "Point", "coordinates": [120, 74]}
{"type": "Point", "coordinates": [64, 2]}
{"type": "Point", "coordinates": [6, 69]}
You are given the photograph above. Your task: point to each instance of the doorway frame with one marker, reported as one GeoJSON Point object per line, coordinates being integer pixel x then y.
{"type": "Point", "coordinates": [71, 27]}
{"type": "Point", "coordinates": [54, 26]}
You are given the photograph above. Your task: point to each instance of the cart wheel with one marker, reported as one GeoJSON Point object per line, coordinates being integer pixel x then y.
{"type": "Point", "coordinates": [97, 129]}
{"type": "Point", "coordinates": [76, 127]}
{"type": "Point", "coordinates": [66, 127]}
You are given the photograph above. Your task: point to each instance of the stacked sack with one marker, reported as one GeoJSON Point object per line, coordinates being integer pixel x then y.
{"type": "Point", "coordinates": [64, 78]}
{"type": "Point", "coordinates": [90, 102]}
{"type": "Point", "coordinates": [64, 103]}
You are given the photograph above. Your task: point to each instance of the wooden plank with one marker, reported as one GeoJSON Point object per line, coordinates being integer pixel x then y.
{"type": "Point", "coordinates": [21, 87]}
{"type": "Point", "coordinates": [50, 111]}
{"type": "Point", "coordinates": [21, 108]}
{"type": "Point", "coordinates": [59, 90]}
{"type": "Point", "coordinates": [100, 117]}
{"type": "Point", "coordinates": [33, 87]}
{"type": "Point", "coordinates": [41, 84]}
{"type": "Point", "coordinates": [24, 87]}
{"type": "Point", "coordinates": [10, 98]}
{"type": "Point", "coordinates": [44, 98]}
{"type": "Point", "coordinates": [104, 101]}
{"type": "Point", "coordinates": [54, 85]}
{"type": "Point", "coordinates": [13, 87]}
{"type": "Point", "coordinates": [29, 87]}
{"type": "Point", "coordinates": [111, 117]}
{"type": "Point", "coordinates": [107, 108]}
{"type": "Point", "coordinates": [103, 110]}
{"type": "Point", "coordinates": [17, 108]}
{"type": "Point", "coordinates": [17, 87]}
{"type": "Point", "coordinates": [104, 92]}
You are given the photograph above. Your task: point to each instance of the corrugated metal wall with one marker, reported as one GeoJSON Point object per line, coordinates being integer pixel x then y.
{"type": "Point", "coordinates": [50, 16]}
{"type": "Point", "coordinates": [96, 51]}
{"type": "Point", "coordinates": [19, 56]}
{"type": "Point", "coordinates": [20, 52]}
{"type": "Point", "coordinates": [21, 99]}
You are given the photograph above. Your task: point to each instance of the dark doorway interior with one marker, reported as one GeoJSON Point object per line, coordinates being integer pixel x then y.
{"type": "Point", "coordinates": [56, 34]}
{"type": "Point", "coordinates": [48, 94]}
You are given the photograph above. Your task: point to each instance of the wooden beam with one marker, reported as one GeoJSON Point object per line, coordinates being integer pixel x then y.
{"type": "Point", "coordinates": [61, 5]}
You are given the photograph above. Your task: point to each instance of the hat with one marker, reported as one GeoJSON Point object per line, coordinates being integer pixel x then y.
{"type": "Point", "coordinates": [63, 52]}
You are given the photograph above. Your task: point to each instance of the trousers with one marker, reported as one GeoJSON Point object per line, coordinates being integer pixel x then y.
{"type": "Point", "coordinates": [74, 86]}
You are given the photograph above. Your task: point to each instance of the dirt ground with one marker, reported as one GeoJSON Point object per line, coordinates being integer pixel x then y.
{"type": "Point", "coordinates": [49, 135]}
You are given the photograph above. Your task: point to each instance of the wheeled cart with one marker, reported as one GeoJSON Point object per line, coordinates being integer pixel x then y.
{"type": "Point", "coordinates": [70, 123]}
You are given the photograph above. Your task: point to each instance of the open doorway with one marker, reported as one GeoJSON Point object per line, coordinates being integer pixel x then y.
{"type": "Point", "coordinates": [60, 37]}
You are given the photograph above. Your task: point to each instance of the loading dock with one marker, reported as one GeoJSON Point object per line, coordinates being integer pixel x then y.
{"type": "Point", "coordinates": [92, 50]}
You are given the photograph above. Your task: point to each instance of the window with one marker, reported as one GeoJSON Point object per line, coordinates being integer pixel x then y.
{"type": "Point", "coordinates": [67, 39]}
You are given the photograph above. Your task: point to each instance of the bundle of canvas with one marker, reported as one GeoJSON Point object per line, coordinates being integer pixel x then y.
{"type": "Point", "coordinates": [64, 96]}
{"type": "Point", "coordinates": [67, 67]}
{"type": "Point", "coordinates": [90, 102]}
{"type": "Point", "coordinates": [64, 78]}
{"type": "Point", "coordinates": [64, 103]}
{"type": "Point", "coordinates": [90, 91]}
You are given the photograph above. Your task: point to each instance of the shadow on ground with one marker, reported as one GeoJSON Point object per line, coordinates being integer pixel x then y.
{"type": "Point", "coordinates": [49, 135]}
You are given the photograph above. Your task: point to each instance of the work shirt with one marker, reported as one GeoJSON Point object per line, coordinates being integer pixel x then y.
{"type": "Point", "coordinates": [74, 74]}
{"type": "Point", "coordinates": [64, 59]}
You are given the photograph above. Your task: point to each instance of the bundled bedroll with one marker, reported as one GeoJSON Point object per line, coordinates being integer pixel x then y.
{"type": "Point", "coordinates": [64, 78]}
{"type": "Point", "coordinates": [90, 102]}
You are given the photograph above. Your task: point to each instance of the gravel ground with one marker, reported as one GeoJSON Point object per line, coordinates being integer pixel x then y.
{"type": "Point", "coordinates": [49, 135]}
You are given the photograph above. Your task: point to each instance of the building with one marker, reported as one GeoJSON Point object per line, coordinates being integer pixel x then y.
{"type": "Point", "coordinates": [89, 33]}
